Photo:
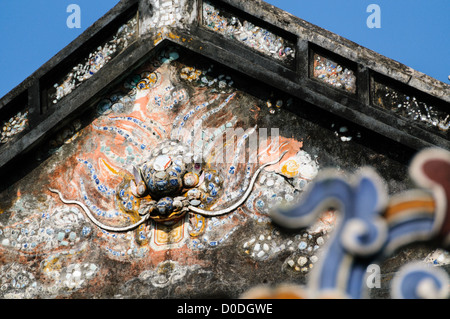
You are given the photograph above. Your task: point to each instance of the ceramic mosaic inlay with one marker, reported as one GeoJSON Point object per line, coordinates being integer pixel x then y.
{"type": "Point", "coordinates": [95, 61]}
{"type": "Point", "coordinates": [334, 74]}
{"type": "Point", "coordinates": [13, 126]}
{"type": "Point", "coordinates": [174, 140]}
{"type": "Point", "coordinates": [180, 179]}
{"type": "Point", "coordinates": [247, 33]}
{"type": "Point", "coordinates": [411, 107]}
{"type": "Point", "coordinates": [167, 12]}
{"type": "Point", "coordinates": [150, 132]}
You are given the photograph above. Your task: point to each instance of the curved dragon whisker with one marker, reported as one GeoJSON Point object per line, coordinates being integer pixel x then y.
{"type": "Point", "coordinates": [95, 221]}
{"type": "Point", "coordinates": [166, 173]}
{"type": "Point", "coordinates": [243, 198]}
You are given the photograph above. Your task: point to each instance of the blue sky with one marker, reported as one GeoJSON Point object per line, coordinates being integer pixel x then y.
{"type": "Point", "coordinates": [413, 32]}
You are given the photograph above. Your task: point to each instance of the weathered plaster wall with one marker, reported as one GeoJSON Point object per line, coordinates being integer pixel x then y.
{"type": "Point", "coordinates": [49, 249]}
{"type": "Point", "coordinates": [109, 121]}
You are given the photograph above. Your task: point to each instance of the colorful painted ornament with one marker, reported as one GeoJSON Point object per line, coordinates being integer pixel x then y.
{"type": "Point", "coordinates": [167, 186]}
{"type": "Point", "coordinates": [373, 226]}
{"type": "Point", "coordinates": [253, 36]}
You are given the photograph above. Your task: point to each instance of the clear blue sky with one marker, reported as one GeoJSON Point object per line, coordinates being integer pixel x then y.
{"type": "Point", "coordinates": [413, 32]}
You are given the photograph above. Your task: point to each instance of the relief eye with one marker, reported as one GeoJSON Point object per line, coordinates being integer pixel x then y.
{"type": "Point", "coordinates": [141, 189]}
{"type": "Point", "coordinates": [133, 189]}
{"type": "Point", "coordinates": [190, 180]}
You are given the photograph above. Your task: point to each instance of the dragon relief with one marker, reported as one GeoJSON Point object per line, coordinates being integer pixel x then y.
{"type": "Point", "coordinates": [169, 184]}
{"type": "Point", "coordinates": [155, 114]}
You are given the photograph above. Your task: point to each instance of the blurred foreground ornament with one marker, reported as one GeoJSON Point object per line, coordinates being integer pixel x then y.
{"type": "Point", "coordinates": [358, 237]}
{"type": "Point", "coordinates": [419, 281]}
{"type": "Point", "coordinates": [371, 227]}
{"type": "Point", "coordinates": [286, 291]}
{"type": "Point", "coordinates": [431, 170]}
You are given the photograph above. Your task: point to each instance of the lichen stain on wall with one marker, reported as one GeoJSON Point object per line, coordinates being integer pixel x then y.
{"type": "Point", "coordinates": [50, 249]}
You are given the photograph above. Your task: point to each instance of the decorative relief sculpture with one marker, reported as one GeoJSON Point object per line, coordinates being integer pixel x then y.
{"type": "Point", "coordinates": [411, 107]}
{"type": "Point", "coordinates": [167, 186]}
{"type": "Point", "coordinates": [251, 35]}
{"type": "Point", "coordinates": [15, 125]}
{"type": "Point", "coordinates": [170, 183]}
{"type": "Point", "coordinates": [333, 74]}
{"type": "Point", "coordinates": [135, 175]}
{"type": "Point", "coordinates": [96, 60]}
